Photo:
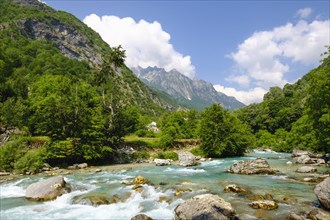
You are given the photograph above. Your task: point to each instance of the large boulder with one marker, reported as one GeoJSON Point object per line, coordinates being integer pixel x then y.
{"type": "Point", "coordinates": [306, 169]}
{"type": "Point", "coordinates": [205, 206]}
{"type": "Point", "coordinates": [187, 159]}
{"type": "Point", "coordinates": [257, 166]}
{"type": "Point", "coordinates": [48, 189]}
{"type": "Point", "coordinates": [322, 191]}
{"type": "Point", "coordinates": [162, 162]}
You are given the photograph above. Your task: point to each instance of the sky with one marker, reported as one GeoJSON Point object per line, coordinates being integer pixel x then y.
{"type": "Point", "coordinates": [242, 47]}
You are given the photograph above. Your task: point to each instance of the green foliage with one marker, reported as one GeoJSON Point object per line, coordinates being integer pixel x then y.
{"type": "Point", "coordinates": [197, 151]}
{"type": "Point", "coordinates": [222, 134]}
{"type": "Point", "coordinates": [23, 153]}
{"type": "Point", "coordinates": [143, 154]}
{"type": "Point", "coordinates": [32, 161]}
{"type": "Point", "coordinates": [296, 116]}
{"type": "Point", "coordinates": [318, 104]}
{"type": "Point", "coordinates": [170, 155]}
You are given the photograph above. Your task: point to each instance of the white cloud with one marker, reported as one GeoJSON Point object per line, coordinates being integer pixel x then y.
{"type": "Point", "coordinates": [146, 44]}
{"type": "Point", "coordinates": [246, 97]}
{"type": "Point", "coordinates": [265, 57]}
{"type": "Point", "coordinates": [240, 79]}
{"type": "Point", "coordinates": [304, 13]}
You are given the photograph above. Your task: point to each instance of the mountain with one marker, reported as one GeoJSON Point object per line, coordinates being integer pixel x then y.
{"type": "Point", "coordinates": [27, 23]}
{"type": "Point", "coordinates": [193, 93]}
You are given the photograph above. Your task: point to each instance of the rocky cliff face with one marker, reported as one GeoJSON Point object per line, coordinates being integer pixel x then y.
{"type": "Point", "coordinates": [190, 92]}
{"type": "Point", "coordinates": [67, 39]}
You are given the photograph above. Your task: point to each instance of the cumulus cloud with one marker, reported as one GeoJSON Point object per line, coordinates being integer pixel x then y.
{"type": "Point", "coordinates": [247, 97]}
{"type": "Point", "coordinates": [304, 13]}
{"type": "Point", "coordinates": [264, 59]}
{"type": "Point", "coordinates": [146, 44]}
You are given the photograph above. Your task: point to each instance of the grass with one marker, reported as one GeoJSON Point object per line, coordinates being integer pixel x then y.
{"type": "Point", "coordinates": [142, 141]}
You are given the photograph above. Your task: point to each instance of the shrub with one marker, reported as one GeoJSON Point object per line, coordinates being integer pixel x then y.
{"type": "Point", "coordinates": [143, 154]}
{"type": "Point", "coordinates": [197, 151]}
{"type": "Point", "coordinates": [32, 160]}
{"type": "Point", "coordinates": [170, 155]}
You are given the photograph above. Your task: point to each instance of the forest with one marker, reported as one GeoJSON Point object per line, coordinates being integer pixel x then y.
{"type": "Point", "coordinates": [68, 111]}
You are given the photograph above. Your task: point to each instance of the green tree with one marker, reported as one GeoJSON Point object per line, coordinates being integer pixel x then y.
{"type": "Point", "coordinates": [318, 103]}
{"type": "Point", "coordinates": [222, 134]}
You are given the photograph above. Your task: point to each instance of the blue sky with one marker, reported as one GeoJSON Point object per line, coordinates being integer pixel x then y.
{"type": "Point", "coordinates": [242, 47]}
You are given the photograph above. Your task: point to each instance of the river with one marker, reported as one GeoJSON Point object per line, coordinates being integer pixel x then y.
{"type": "Point", "coordinates": [158, 200]}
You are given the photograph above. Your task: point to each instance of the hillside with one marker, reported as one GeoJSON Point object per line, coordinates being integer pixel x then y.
{"type": "Point", "coordinates": [191, 93]}
{"type": "Point", "coordinates": [61, 81]}
{"type": "Point", "coordinates": [297, 116]}
{"type": "Point", "coordinates": [28, 22]}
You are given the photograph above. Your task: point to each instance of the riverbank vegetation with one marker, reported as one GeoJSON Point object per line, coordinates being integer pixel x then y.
{"type": "Point", "coordinates": [287, 118]}
{"type": "Point", "coordinates": [70, 109]}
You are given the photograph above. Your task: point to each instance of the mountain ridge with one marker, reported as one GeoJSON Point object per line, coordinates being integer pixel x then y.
{"type": "Point", "coordinates": [195, 93]}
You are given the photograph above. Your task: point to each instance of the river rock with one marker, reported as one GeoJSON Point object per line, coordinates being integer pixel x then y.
{"type": "Point", "coordinates": [320, 161]}
{"type": "Point", "coordinates": [322, 191]}
{"type": "Point", "coordinates": [205, 206]}
{"type": "Point", "coordinates": [294, 216]}
{"type": "Point", "coordinates": [318, 214]}
{"type": "Point", "coordinates": [82, 166]}
{"type": "Point", "coordinates": [234, 188]}
{"type": "Point", "coordinates": [304, 159]}
{"type": "Point", "coordinates": [187, 159]}
{"type": "Point", "coordinates": [140, 180]}
{"type": "Point", "coordinates": [48, 189]}
{"type": "Point", "coordinates": [306, 169]}
{"type": "Point", "coordinates": [264, 204]}
{"type": "Point", "coordinates": [162, 162]}
{"type": "Point", "coordinates": [298, 153]}
{"type": "Point", "coordinates": [4, 174]}
{"type": "Point", "coordinates": [289, 163]}
{"type": "Point", "coordinates": [91, 200]}
{"type": "Point", "coordinates": [141, 217]}
{"type": "Point", "coordinates": [257, 166]}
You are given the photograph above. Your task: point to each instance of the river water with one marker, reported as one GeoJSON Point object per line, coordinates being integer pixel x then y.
{"type": "Point", "coordinates": [158, 200]}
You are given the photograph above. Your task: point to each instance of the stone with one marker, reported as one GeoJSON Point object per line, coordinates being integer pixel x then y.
{"type": "Point", "coordinates": [298, 153]}
{"type": "Point", "coordinates": [257, 166]}
{"type": "Point", "coordinates": [206, 206]}
{"type": "Point", "coordinates": [135, 187]}
{"type": "Point", "coordinates": [304, 159]}
{"type": "Point", "coordinates": [82, 166]}
{"type": "Point", "coordinates": [4, 174]}
{"type": "Point", "coordinates": [141, 217]}
{"type": "Point", "coordinates": [264, 204]}
{"type": "Point", "coordinates": [187, 159]}
{"type": "Point", "coordinates": [162, 162]}
{"type": "Point", "coordinates": [322, 192]}
{"type": "Point", "coordinates": [320, 161]}
{"type": "Point", "coordinates": [140, 180]}
{"type": "Point", "coordinates": [98, 170]}
{"type": "Point", "coordinates": [91, 200]}
{"type": "Point", "coordinates": [318, 214]}
{"type": "Point", "coordinates": [306, 169]}
{"type": "Point", "coordinates": [289, 163]}
{"type": "Point", "coordinates": [294, 216]}
{"type": "Point", "coordinates": [47, 189]}
{"type": "Point", "coordinates": [234, 188]}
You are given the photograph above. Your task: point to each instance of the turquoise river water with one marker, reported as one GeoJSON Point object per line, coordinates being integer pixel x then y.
{"type": "Point", "coordinates": [158, 200]}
